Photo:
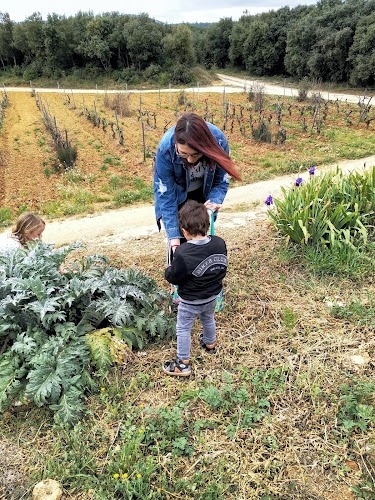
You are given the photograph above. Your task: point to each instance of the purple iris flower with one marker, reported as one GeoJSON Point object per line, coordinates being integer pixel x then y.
{"type": "Point", "coordinates": [299, 181]}
{"type": "Point", "coordinates": [312, 171]}
{"type": "Point", "coordinates": [269, 200]}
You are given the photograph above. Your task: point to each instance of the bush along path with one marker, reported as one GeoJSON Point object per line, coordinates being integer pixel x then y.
{"type": "Point", "coordinates": [59, 332]}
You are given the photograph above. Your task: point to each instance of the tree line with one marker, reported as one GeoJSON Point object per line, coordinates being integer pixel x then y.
{"type": "Point", "coordinates": [332, 41]}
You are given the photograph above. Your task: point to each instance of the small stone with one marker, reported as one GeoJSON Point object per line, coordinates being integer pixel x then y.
{"type": "Point", "coordinates": [359, 359]}
{"type": "Point", "coordinates": [49, 489]}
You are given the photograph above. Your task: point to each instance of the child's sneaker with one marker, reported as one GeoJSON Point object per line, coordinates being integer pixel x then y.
{"type": "Point", "coordinates": [211, 348]}
{"type": "Point", "coordinates": [177, 368]}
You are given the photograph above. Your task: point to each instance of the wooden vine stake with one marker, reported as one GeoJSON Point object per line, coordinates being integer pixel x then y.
{"type": "Point", "coordinates": [144, 141]}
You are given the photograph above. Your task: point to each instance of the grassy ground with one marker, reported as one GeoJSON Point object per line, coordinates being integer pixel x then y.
{"type": "Point", "coordinates": [285, 409]}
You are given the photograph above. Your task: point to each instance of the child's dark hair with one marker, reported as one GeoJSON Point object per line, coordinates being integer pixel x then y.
{"type": "Point", "coordinates": [194, 218]}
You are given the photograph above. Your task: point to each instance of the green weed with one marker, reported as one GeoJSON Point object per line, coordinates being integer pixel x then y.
{"type": "Point", "coordinates": [126, 197]}
{"type": "Point", "coordinates": [361, 314]}
{"type": "Point", "coordinates": [357, 405]}
{"type": "Point", "coordinates": [5, 215]}
{"type": "Point", "coordinates": [74, 176]}
{"type": "Point", "coordinates": [111, 161]}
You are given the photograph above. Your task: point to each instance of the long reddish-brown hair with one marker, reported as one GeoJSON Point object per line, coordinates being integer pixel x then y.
{"type": "Point", "coordinates": [193, 131]}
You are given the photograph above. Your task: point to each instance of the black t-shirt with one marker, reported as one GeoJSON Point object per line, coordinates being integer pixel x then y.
{"type": "Point", "coordinates": [199, 268]}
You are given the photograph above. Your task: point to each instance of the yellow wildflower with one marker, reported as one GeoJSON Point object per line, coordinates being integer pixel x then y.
{"type": "Point", "coordinates": [116, 476]}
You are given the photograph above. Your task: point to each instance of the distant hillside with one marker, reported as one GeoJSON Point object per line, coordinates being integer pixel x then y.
{"type": "Point", "coordinates": [200, 25]}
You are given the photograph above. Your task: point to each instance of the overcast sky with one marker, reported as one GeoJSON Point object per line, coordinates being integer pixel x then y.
{"type": "Point", "coordinates": [162, 10]}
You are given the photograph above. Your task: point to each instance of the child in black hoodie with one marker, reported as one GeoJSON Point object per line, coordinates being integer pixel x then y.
{"type": "Point", "coordinates": [198, 268]}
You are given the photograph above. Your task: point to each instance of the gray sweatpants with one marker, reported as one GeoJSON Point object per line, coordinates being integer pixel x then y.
{"type": "Point", "coordinates": [186, 314]}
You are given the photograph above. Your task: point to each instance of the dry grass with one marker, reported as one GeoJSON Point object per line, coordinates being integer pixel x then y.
{"type": "Point", "coordinates": [275, 319]}
{"type": "Point", "coordinates": [119, 103]}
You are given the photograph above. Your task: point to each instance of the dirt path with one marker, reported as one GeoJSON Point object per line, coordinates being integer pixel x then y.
{"type": "Point", "coordinates": [232, 85]}
{"type": "Point", "coordinates": [288, 91]}
{"type": "Point", "coordinates": [242, 204]}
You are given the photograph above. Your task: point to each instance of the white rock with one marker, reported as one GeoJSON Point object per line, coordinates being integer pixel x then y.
{"type": "Point", "coordinates": [49, 489]}
{"type": "Point", "coordinates": [358, 359]}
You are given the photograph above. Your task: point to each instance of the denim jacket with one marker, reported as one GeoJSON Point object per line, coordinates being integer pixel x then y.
{"type": "Point", "coordinates": [172, 179]}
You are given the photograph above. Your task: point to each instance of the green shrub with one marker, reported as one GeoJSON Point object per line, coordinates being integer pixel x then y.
{"type": "Point", "coordinates": [67, 156]}
{"type": "Point", "coordinates": [181, 75]}
{"type": "Point", "coordinates": [331, 210]}
{"type": "Point", "coordinates": [152, 72]}
{"type": "Point", "coordinates": [303, 88]}
{"type": "Point", "coordinates": [5, 215]}
{"type": "Point", "coordinates": [45, 316]}
{"type": "Point", "coordinates": [262, 133]}
{"type": "Point", "coordinates": [332, 218]}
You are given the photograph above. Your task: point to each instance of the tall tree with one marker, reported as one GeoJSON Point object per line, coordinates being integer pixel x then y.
{"type": "Point", "coordinates": [56, 47]}
{"type": "Point", "coordinates": [180, 54]}
{"type": "Point", "coordinates": [335, 26]}
{"type": "Point", "coordinates": [179, 45]}
{"type": "Point", "coordinates": [237, 39]}
{"type": "Point", "coordinates": [29, 39]}
{"type": "Point", "coordinates": [301, 39]}
{"type": "Point", "coordinates": [218, 43]}
{"type": "Point", "coordinates": [95, 45]}
{"type": "Point", "coordinates": [362, 52]}
{"type": "Point", "coordinates": [117, 41]}
{"type": "Point", "coordinates": [259, 49]}
{"type": "Point", "coordinates": [7, 55]}
{"type": "Point", "coordinates": [199, 35]}
{"type": "Point", "coordinates": [143, 37]}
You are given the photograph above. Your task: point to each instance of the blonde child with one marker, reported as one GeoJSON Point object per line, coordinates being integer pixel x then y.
{"type": "Point", "coordinates": [29, 227]}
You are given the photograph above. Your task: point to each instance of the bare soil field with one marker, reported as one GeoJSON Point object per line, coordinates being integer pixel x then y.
{"type": "Point", "coordinates": [32, 178]}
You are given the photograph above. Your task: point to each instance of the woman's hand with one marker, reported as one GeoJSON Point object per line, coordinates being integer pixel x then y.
{"type": "Point", "coordinates": [175, 242]}
{"type": "Point", "coordinates": [213, 206]}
